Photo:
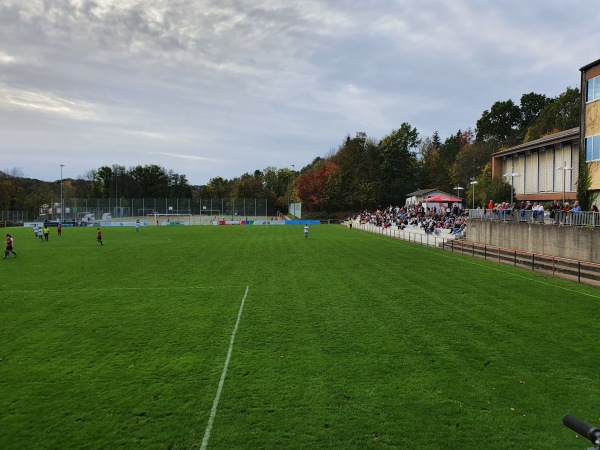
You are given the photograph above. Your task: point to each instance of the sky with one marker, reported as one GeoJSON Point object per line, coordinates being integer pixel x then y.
{"type": "Point", "coordinates": [220, 88]}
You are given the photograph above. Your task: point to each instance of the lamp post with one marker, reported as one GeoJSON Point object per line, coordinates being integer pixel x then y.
{"type": "Point", "coordinates": [61, 195]}
{"type": "Point", "coordinates": [512, 176]}
{"type": "Point", "coordinates": [458, 188]}
{"type": "Point", "coordinates": [473, 183]}
{"type": "Point", "coordinates": [116, 192]}
{"type": "Point", "coordinates": [564, 168]}
{"type": "Point", "coordinates": [289, 199]}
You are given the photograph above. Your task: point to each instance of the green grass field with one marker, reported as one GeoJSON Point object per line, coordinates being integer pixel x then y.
{"type": "Point", "coordinates": [345, 340]}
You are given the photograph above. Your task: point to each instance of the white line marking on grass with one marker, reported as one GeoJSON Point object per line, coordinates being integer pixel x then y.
{"type": "Point", "coordinates": [170, 288]}
{"type": "Point", "coordinates": [213, 411]}
{"type": "Point", "coordinates": [450, 255]}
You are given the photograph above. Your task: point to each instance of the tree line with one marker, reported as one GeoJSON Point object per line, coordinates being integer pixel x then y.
{"type": "Point", "coordinates": [366, 173]}
{"type": "Point", "coordinates": [362, 173]}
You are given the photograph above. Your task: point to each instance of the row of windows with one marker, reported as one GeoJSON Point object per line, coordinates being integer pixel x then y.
{"type": "Point", "coordinates": [592, 146]}
{"type": "Point", "coordinates": [543, 171]}
{"type": "Point", "coordinates": [593, 89]}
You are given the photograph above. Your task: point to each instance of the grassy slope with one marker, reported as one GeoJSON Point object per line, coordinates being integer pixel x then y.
{"type": "Point", "coordinates": [347, 340]}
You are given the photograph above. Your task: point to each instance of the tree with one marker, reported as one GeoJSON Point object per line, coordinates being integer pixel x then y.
{"type": "Point", "coordinates": [153, 180]}
{"type": "Point", "coordinates": [561, 114]}
{"type": "Point", "coordinates": [490, 188]}
{"type": "Point", "coordinates": [359, 168]}
{"type": "Point", "coordinates": [433, 172]}
{"type": "Point", "coordinates": [311, 186]}
{"type": "Point", "coordinates": [248, 186]}
{"type": "Point", "coordinates": [398, 164]}
{"type": "Point", "coordinates": [179, 186]}
{"type": "Point", "coordinates": [471, 161]}
{"type": "Point", "coordinates": [532, 105]}
{"type": "Point", "coordinates": [500, 124]}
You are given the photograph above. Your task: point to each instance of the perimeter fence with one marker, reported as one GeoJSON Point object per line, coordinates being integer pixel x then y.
{"type": "Point", "coordinates": [571, 269]}
{"type": "Point", "coordinates": [14, 216]}
{"type": "Point", "coordinates": [116, 208]}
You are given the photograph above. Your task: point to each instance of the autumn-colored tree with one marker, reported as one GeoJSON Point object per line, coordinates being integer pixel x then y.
{"type": "Point", "coordinates": [310, 186]}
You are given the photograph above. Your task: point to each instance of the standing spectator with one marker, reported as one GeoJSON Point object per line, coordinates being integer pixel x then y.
{"type": "Point", "coordinates": [491, 205]}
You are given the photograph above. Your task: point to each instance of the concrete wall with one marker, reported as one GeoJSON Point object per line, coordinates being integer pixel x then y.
{"type": "Point", "coordinates": [581, 243]}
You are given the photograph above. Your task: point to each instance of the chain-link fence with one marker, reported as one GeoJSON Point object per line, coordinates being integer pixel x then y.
{"type": "Point", "coordinates": [14, 216]}
{"type": "Point", "coordinates": [119, 208]}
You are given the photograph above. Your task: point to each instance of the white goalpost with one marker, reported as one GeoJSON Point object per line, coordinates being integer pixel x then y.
{"type": "Point", "coordinates": [157, 219]}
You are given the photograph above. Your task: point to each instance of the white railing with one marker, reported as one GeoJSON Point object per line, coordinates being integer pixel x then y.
{"type": "Point", "coordinates": [580, 218]}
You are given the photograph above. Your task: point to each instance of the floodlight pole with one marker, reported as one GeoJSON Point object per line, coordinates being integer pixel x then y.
{"type": "Point", "coordinates": [61, 195]}
{"type": "Point", "coordinates": [512, 176]}
{"type": "Point", "coordinates": [564, 168]}
{"type": "Point", "coordinates": [458, 188]}
{"type": "Point", "coordinates": [289, 194]}
{"type": "Point", "coordinates": [117, 192]}
{"type": "Point", "coordinates": [473, 183]}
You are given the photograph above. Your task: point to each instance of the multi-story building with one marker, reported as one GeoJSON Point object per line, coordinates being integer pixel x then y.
{"type": "Point", "coordinates": [548, 168]}
{"type": "Point", "coordinates": [590, 121]}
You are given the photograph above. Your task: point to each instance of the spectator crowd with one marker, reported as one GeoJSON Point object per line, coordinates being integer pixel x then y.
{"type": "Point", "coordinates": [432, 220]}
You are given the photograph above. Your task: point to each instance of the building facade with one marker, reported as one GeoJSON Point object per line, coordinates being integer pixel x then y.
{"type": "Point", "coordinates": [590, 121]}
{"type": "Point", "coordinates": [545, 169]}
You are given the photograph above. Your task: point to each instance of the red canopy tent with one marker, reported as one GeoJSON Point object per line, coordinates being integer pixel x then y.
{"type": "Point", "coordinates": [443, 199]}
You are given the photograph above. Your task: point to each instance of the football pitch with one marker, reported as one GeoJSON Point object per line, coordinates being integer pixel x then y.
{"type": "Point", "coordinates": [255, 337]}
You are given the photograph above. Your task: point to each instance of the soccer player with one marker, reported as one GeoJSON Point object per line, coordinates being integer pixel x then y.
{"type": "Point", "coordinates": [137, 225]}
{"type": "Point", "coordinates": [46, 232]}
{"type": "Point", "coordinates": [58, 229]}
{"type": "Point", "coordinates": [9, 247]}
{"type": "Point", "coordinates": [306, 231]}
{"type": "Point", "coordinates": [99, 236]}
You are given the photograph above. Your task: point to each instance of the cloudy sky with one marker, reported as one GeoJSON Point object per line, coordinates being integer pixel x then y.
{"type": "Point", "coordinates": [213, 88]}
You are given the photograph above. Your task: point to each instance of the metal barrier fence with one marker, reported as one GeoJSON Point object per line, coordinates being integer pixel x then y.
{"type": "Point", "coordinates": [422, 238]}
{"type": "Point", "coordinates": [580, 218]}
{"type": "Point", "coordinates": [574, 270]}
{"type": "Point", "coordinates": [140, 207]}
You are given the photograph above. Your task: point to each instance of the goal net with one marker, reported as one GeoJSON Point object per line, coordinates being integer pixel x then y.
{"type": "Point", "coordinates": [169, 219]}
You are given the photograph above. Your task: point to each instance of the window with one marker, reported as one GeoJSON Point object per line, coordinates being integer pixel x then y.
{"type": "Point", "coordinates": [592, 148]}
{"type": "Point", "coordinates": [593, 89]}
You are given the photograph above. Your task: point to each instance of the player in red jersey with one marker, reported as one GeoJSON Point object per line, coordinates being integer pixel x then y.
{"type": "Point", "coordinates": [99, 238]}
{"type": "Point", "coordinates": [9, 247]}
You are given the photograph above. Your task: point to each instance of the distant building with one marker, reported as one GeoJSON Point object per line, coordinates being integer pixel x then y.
{"type": "Point", "coordinates": [423, 195]}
